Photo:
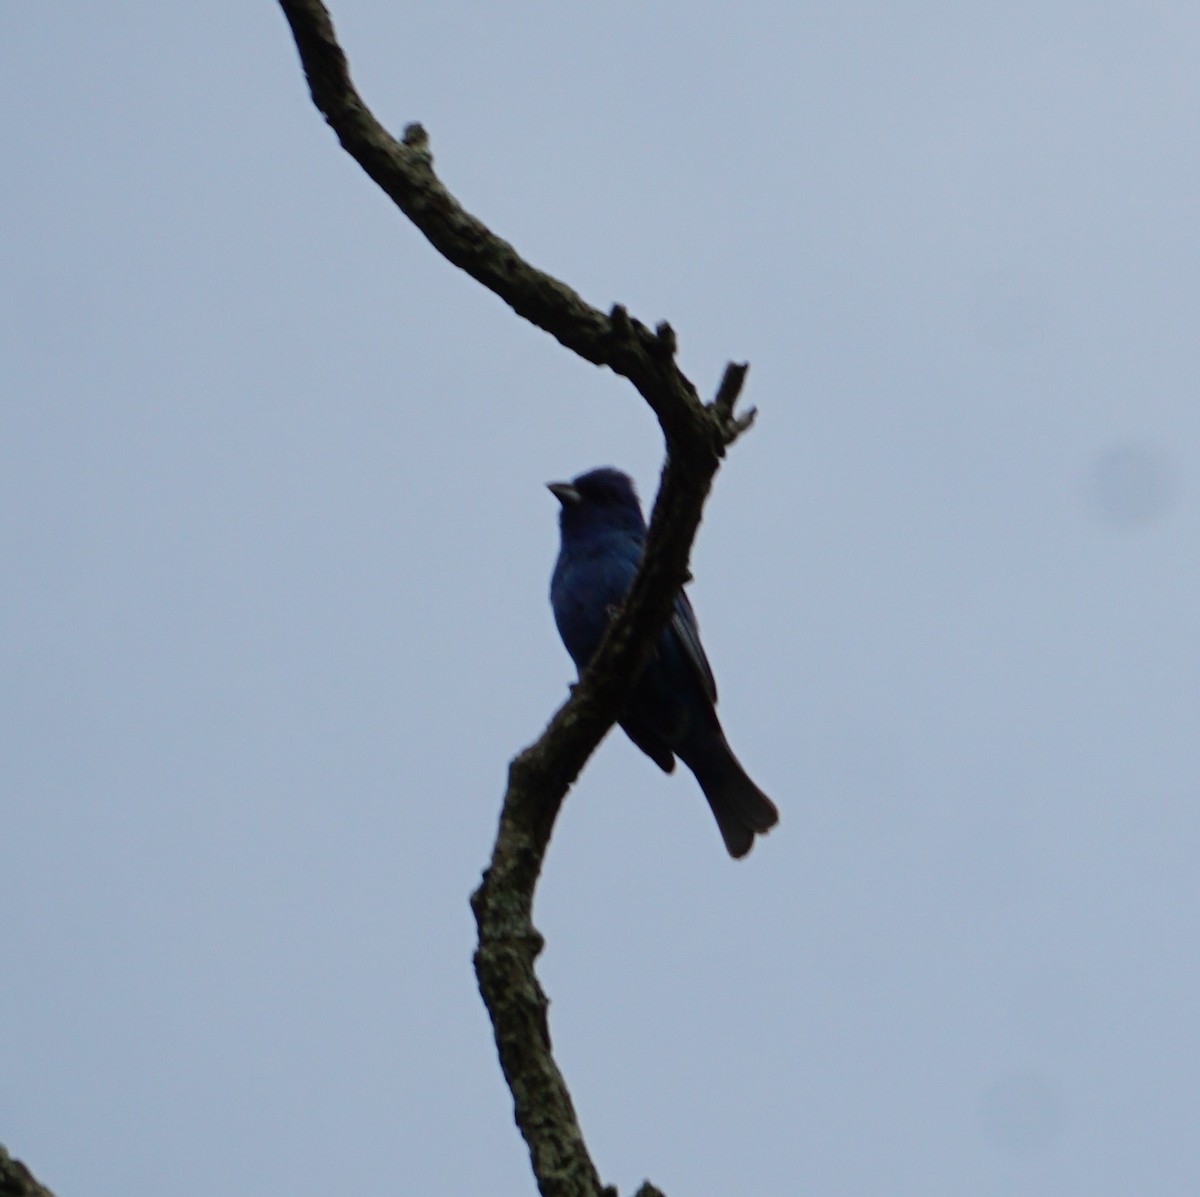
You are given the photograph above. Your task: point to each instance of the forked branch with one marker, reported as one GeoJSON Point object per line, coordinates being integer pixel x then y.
{"type": "Point", "coordinates": [696, 436]}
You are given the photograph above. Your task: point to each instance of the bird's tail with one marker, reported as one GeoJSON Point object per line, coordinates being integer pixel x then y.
{"type": "Point", "coordinates": [741, 809]}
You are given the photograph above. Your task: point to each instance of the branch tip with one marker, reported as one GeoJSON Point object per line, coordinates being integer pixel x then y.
{"type": "Point", "coordinates": [730, 389]}
{"type": "Point", "coordinates": [744, 421]}
{"type": "Point", "coordinates": [621, 324]}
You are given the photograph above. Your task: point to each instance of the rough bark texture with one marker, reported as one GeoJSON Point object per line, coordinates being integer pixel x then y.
{"type": "Point", "coordinates": [17, 1181]}
{"type": "Point", "coordinates": [696, 436]}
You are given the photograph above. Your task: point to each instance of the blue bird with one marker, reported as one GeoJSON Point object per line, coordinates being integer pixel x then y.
{"type": "Point", "coordinates": [672, 711]}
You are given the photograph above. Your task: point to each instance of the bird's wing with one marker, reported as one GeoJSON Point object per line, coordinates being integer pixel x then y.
{"type": "Point", "coordinates": [649, 741]}
{"type": "Point", "coordinates": [683, 624]}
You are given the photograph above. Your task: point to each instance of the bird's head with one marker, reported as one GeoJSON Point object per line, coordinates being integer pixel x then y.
{"type": "Point", "coordinates": [600, 500]}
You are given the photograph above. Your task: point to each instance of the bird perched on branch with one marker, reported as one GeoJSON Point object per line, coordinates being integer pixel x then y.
{"type": "Point", "coordinates": [672, 711]}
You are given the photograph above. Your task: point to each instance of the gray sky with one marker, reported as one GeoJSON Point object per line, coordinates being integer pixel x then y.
{"type": "Point", "coordinates": [274, 616]}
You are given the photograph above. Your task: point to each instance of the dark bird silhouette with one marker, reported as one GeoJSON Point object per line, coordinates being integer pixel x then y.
{"type": "Point", "coordinates": [672, 711]}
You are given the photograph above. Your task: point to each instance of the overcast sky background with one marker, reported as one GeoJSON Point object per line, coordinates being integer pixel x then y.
{"type": "Point", "coordinates": [276, 551]}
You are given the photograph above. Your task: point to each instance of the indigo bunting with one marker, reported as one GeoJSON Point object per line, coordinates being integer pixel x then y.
{"type": "Point", "coordinates": [672, 709]}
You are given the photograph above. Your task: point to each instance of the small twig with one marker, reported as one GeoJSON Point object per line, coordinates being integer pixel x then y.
{"type": "Point", "coordinates": [726, 399]}
{"type": "Point", "coordinates": [730, 389]}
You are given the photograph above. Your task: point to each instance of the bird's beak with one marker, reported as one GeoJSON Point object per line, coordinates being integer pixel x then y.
{"type": "Point", "coordinates": [565, 493]}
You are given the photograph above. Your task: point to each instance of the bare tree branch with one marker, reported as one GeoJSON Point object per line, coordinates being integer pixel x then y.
{"type": "Point", "coordinates": [696, 436]}
{"type": "Point", "coordinates": [17, 1181]}
{"type": "Point", "coordinates": [404, 170]}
